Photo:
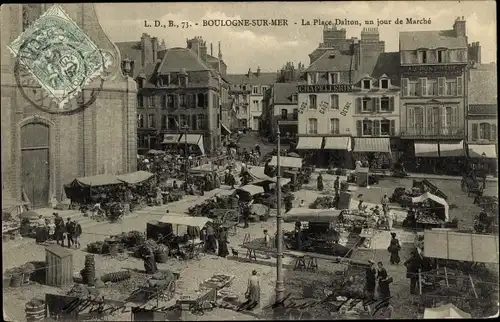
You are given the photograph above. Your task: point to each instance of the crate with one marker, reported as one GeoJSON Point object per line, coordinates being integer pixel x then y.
{"type": "Point", "coordinates": [59, 271]}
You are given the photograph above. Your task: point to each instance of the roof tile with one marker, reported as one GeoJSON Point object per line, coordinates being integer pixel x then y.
{"type": "Point", "coordinates": [331, 60]}
{"type": "Point", "coordinates": [413, 40]}
{"type": "Point", "coordinates": [262, 79]}
{"type": "Point", "coordinates": [283, 93]}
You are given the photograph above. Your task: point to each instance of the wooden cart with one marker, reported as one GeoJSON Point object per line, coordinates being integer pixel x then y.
{"type": "Point", "coordinates": [471, 186]}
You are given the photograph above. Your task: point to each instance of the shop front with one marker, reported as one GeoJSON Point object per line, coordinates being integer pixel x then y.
{"type": "Point", "coordinates": [310, 148]}
{"type": "Point", "coordinates": [484, 157]}
{"type": "Point", "coordinates": [337, 151]}
{"type": "Point", "coordinates": [374, 152]}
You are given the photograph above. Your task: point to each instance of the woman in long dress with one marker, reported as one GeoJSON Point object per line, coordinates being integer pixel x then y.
{"type": "Point", "coordinates": [383, 282]}
{"type": "Point", "coordinates": [253, 291]}
{"type": "Point", "coordinates": [320, 183]}
{"type": "Point", "coordinates": [394, 248]}
{"type": "Point", "coordinates": [223, 241]}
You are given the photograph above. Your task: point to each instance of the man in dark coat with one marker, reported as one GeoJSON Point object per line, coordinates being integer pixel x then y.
{"type": "Point", "coordinates": [70, 231]}
{"type": "Point", "coordinates": [59, 222]}
{"type": "Point", "coordinates": [413, 265]}
{"type": "Point", "coordinates": [336, 185]}
{"type": "Point", "coordinates": [77, 232]}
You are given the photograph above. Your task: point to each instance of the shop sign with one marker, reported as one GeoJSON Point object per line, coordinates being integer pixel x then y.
{"type": "Point", "coordinates": [333, 88]}
{"type": "Point", "coordinates": [433, 70]}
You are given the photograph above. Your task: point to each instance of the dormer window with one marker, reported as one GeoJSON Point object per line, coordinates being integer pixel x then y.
{"type": "Point", "coordinates": [140, 83]}
{"type": "Point", "coordinates": [182, 80]}
{"type": "Point", "coordinates": [367, 84]}
{"type": "Point", "coordinates": [295, 98]}
{"type": "Point", "coordinates": [422, 56]}
{"type": "Point", "coordinates": [168, 79]}
{"type": "Point", "coordinates": [441, 56]}
{"type": "Point", "coordinates": [384, 83]}
{"type": "Point", "coordinates": [160, 81]}
{"type": "Point", "coordinates": [334, 78]}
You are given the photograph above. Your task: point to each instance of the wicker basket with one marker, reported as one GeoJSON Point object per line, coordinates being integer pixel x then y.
{"type": "Point", "coordinates": [16, 280]}
{"type": "Point", "coordinates": [161, 257]}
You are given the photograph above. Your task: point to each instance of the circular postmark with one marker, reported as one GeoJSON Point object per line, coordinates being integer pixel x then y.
{"type": "Point", "coordinates": [52, 75]}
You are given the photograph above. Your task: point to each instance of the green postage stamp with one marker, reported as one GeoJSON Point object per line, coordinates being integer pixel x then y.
{"type": "Point", "coordinates": [61, 57]}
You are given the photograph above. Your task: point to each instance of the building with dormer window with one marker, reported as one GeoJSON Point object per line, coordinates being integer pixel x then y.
{"type": "Point", "coordinates": [434, 88]}
{"type": "Point", "coordinates": [376, 111]}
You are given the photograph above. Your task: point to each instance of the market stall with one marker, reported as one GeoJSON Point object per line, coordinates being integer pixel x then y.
{"type": "Point", "coordinates": [445, 311]}
{"type": "Point", "coordinates": [247, 192]}
{"type": "Point", "coordinates": [431, 210]}
{"type": "Point", "coordinates": [91, 189]}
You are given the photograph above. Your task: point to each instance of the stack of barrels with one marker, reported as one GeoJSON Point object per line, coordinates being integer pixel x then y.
{"type": "Point", "coordinates": [35, 310]}
{"type": "Point", "coordinates": [88, 272]}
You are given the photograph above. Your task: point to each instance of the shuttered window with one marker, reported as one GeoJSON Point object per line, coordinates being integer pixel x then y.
{"type": "Point", "coordinates": [484, 131]}
{"type": "Point", "coordinates": [441, 86]}
{"type": "Point", "coordinates": [423, 86]}
{"type": "Point", "coordinates": [474, 132]}
{"type": "Point", "coordinates": [460, 86]}
{"type": "Point", "coordinates": [493, 134]}
{"type": "Point", "coordinates": [385, 104]}
{"type": "Point", "coordinates": [393, 128]}
{"type": "Point", "coordinates": [359, 129]}
{"type": "Point", "coordinates": [376, 128]}
{"type": "Point", "coordinates": [385, 128]}
{"type": "Point", "coordinates": [405, 86]}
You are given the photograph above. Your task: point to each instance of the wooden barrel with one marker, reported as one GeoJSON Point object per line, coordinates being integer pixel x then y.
{"type": "Point", "coordinates": [16, 280]}
{"type": "Point", "coordinates": [35, 310]}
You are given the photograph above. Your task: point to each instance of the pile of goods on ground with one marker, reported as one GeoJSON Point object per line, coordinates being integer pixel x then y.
{"type": "Point", "coordinates": [428, 218]}
{"type": "Point", "coordinates": [217, 281]}
{"type": "Point", "coordinates": [323, 203]}
{"type": "Point", "coordinates": [174, 195]}
{"type": "Point", "coordinates": [123, 242]}
{"type": "Point", "coordinates": [206, 208]}
{"type": "Point", "coordinates": [489, 203]}
{"type": "Point", "coordinates": [19, 275]}
{"type": "Point", "coordinates": [271, 200]}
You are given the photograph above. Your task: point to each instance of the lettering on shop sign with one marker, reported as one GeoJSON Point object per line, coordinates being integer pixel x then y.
{"type": "Point", "coordinates": [322, 107]}
{"type": "Point", "coordinates": [445, 70]}
{"type": "Point", "coordinates": [345, 110]}
{"type": "Point", "coordinates": [327, 88]}
{"type": "Point", "coordinates": [303, 106]}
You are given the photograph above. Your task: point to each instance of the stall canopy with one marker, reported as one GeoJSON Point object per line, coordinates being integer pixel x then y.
{"type": "Point", "coordinates": [434, 198]}
{"type": "Point", "coordinates": [286, 162]}
{"type": "Point", "coordinates": [183, 220]}
{"type": "Point", "coordinates": [135, 177]}
{"type": "Point", "coordinates": [156, 152]}
{"type": "Point", "coordinates": [480, 151]}
{"type": "Point", "coordinates": [257, 174]}
{"type": "Point", "coordinates": [446, 244]}
{"type": "Point", "coordinates": [311, 215]}
{"type": "Point", "coordinates": [225, 128]}
{"type": "Point", "coordinates": [451, 149]}
{"type": "Point", "coordinates": [196, 139]}
{"type": "Point", "coordinates": [426, 149]}
{"type": "Point", "coordinates": [251, 189]}
{"type": "Point", "coordinates": [95, 181]}
{"type": "Point", "coordinates": [372, 145]}
{"type": "Point", "coordinates": [446, 311]}
{"type": "Point", "coordinates": [338, 143]}
{"type": "Point", "coordinates": [309, 143]}
{"type": "Point", "coordinates": [171, 138]}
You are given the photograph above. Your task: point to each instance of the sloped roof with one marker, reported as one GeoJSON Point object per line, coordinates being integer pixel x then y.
{"type": "Point", "coordinates": [483, 85]}
{"type": "Point", "coordinates": [177, 58]}
{"type": "Point", "coordinates": [331, 60]}
{"type": "Point", "coordinates": [283, 93]}
{"type": "Point", "coordinates": [412, 40]}
{"type": "Point", "coordinates": [262, 79]}
{"type": "Point", "coordinates": [132, 50]}
{"type": "Point", "coordinates": [388, 64]}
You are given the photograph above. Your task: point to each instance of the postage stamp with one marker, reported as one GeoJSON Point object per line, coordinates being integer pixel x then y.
{"type": "Point", "coordinates": [59, 55]}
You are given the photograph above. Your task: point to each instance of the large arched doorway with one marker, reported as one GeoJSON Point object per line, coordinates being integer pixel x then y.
{"type": "Point", "coordinates": [35, 166]}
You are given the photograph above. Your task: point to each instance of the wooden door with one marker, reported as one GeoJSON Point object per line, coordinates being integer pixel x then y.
{"type": "Point", "coordinates": [35, 166]}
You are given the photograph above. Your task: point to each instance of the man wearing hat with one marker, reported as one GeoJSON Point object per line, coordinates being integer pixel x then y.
{"type": "Point", "coordinates": [371, 279]}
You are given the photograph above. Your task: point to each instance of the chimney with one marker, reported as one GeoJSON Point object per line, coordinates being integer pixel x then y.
{"type": "Point", "coordinates": [258, 71]}
{"type": "Point", "coordinates": [126, 66]}
{"type": "Point", "coordinates": [211, 49]}
{"type": "Point", "coordinates": [203, 51]}
{"type": "Point", "coordinates": [249, 73]}
{"type": "Point", "coordinates": [459, 27]}
{"type": "Point", "coordinates": [163, 46]}
{"type": "Point", "coordinates": [474, 51]}
{"type": "Point", "coordinates": [154, 46]}
{"type": "Point", "coordinates": [146, 50]}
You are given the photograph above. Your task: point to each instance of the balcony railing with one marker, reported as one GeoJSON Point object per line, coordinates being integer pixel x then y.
{"type": "Point", "coordinates": [439, 132]}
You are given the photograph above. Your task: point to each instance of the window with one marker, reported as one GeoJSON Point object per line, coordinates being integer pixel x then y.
{"type": "Point", "coordinates": [334, 126]}
{"type": "Point", "coordinates": [142, 141]}
{"type": "Point", "coordinates": [432, 87]}
{"type": "Point", "coordinates": [182, 100]}
{"type": "Point", "coordinates": [334, 101]}
{"type": "Point", "coordinates": [140, 83]}
{"type": "Point", "coordinates": [313, 126]}
{"type": "Point", "coordinates": [451, 87]}
{"type": "Point", "coordinates": [172, 123]}
{"type": "Point", "coordinates": [367, 104]}
{"type": "Point", "coordinates": [183, 120]}
{"type": "Point", "coordinates": [312, 102]}
{"type": "Point", "coordinates": [256, 89]}
{"type": "Point", "coordinates": [164, 101]}
{"type": "Point", "coordinates": [451, 115]}
{"type": "Point", "coordinates": [264, 89]}
{"type": "Point", "coordinates": [484, 131]}
{"type": "Point", "coordinates": [295, 98]}
{"type": "Point", "coordinates": [151, 121]}
{"type": "Point", "coordinates": [384, 83]}
{"type": "Point", "coordinates": [334, 78]}
{"type": "Point", "coordinates": [441, 56]}
{"type": "Point", "coordinates": [200, 120]}
{"type": "Point", "coordinates": [201, 100]}
{"type": "Point", "coordinates": [367, 127]}
{"type": "Point", "coordinates": [194, 122]}
{"type": "Point", "coordinates": [413, 88]}
{"type": "Point", "coordinates": [284, 114]}
{"type": "Point", "coordinates": [422, 57]}
{"type": "Point", "coordinates": [295, 114]}
{"type": "Point", "coordinates": [151, 100]}
{"type": "Point", "coordinates": [367, 84]}
{"type": "Point", "coordinates": [170, 101]}
{"type": "Point", "coordinates": [140, 120]}
{"type": "Point", "coordinates": [163, 122]}
{"type": "Point", "coordinates": [244, 98]}
{"type": "Point", "coordinates": [385, 104]}
{"type": "Point", "coordinates": [312, 78]}
{"type": "Point", "coordinates": [140, 101]}
{"type": "Point", "coordinates": [385, 127]}
{"type": "Point", "coordinates": [256, 105]}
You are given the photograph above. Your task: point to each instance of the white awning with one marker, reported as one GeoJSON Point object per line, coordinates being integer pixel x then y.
{"type": "Point", "coordinates": [434, 198]}
{"type": "Point", "coordinates": [171, 138]}
{"type": "Point", "coordinates": [480, 151]}
{"type": "Point", "coordinates": [451, 149]}
{"type": "Point", "coordinates": [309, 143]}
{"type": "Point", "coordinates": [426, 149]}
{"type": "Point", "coordinates": [372, 145]}
{"type": "Point", "coordinates": [173, 219]}
{"type": "Point", "coordinates": [286, 162]}
{"type": "Point", "coordinates": [196, 139]}
{"type": "Point", "coordinates": [225, 128]}
{"type": "Point", "coordinates": [338, 143]}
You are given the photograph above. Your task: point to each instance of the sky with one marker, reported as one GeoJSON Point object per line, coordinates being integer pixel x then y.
{"type": "Point", "coordinates": [270, 47]}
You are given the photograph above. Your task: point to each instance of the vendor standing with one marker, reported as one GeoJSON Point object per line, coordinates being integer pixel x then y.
{"type": "Point", "coordinates": [385, 204]}
{"type": "Point", "coordinates": [336, 185]}
{"type": "Point", "coordinates": [413, 265]}
{"type": "Point", "coordinates": [371, 279]}
{"type": "Point", "coordinates": [320, 182]}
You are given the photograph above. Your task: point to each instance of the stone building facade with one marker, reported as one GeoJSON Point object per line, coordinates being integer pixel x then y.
{"type": "Point", "coordinates": [43, 149]}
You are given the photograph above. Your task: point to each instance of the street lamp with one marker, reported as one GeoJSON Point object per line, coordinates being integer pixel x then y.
{"type": "Point", "coordinates": [185, 128]}
{"type": "Point", "coordinates": [280, 287]}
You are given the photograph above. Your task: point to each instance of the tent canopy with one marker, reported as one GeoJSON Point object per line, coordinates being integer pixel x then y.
{"type": "Point", "coordinates": [309, 143]}
{"type": "Point", "coordinates": [251, 189]}
{"type": "Point", "coordinates": [480, 151]}
{"type": "Point", "coordinates": [451, 245]}
{"type": "Point", "coordinates": [446, 311]}
{"type": "Point", "coordinates": [426, 149]}
{"type": "Point", "coordinates": [434, 198]}
{"type": "Point", "coordinates": [286, 162]}
{"type": "Point", "coordinates": [94, 181]}
{"type": "Point", "coordinates": [135, 177]}
{"type": "Point", "coordinates": [184, 220]}
{"type": "Point", "coordinates": [311, 215]}
{"type": "Point", "coordinates": [257, 174]}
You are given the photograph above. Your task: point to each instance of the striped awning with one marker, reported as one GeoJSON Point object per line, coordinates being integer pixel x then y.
{"type": "Point", "coordinates": [451, 149]}
{"type": "Point", "coordinates": [426, 149]}
{"type": "Point", "coordinates": [482, 150]}
{"type": "Point", "coordinates": [309, 143]}
{"type": "Point", "coordinates": [372, 145]}
{"type": "Point", "coordinates": [338, 143]}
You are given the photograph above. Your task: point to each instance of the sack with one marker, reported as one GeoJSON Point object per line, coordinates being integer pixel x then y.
{"type": "Point", "coordinates": [390, 280]}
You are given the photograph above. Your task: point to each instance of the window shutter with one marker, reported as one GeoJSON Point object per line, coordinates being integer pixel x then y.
{"type": "Point", "coordinates": [441, 86]}
{"type": "Point", "coordinates": [193, 122]}
{"type": "Point", "coordinates": [358, 105]}
{"type": "Point", "coordinates": [359, 128]}
{"type": "Point", "coordinates": [460, 86]}
{"type": "Point", "coordinates": [206, 100]}
{"type": "Point", "coordinates": [493, 133]}
{"type": "Point", "coordinates": [329, 76]}
{"type": "Point", "coordinates": [392, 131]}
{"type": "Point", "coordinates": [391, 104]}
{"type": "Point", "coordinates": [410, 124]}
{"type": "Point", "coordinates": [376, 128]}
{"type": "Point", "coordinates": [406, 87]}
{"type": "Point", "coordinates": [316, 78]}
{"type": "Point", "coordinates": [474, 132]}
{"type": "Point", "coordinates": [377, 104]}
{"type": "Point", "coordinates": [176, 101]}
{"type": "Point", "coordinates": [423, 86]}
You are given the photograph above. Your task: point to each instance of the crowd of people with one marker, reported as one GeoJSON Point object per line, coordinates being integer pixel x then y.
{"type": "Point", "coordinates": [48, 229]}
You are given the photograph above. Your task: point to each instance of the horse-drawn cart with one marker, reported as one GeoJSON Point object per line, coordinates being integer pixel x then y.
{"type": "Point", "coordinates": [471, 185]}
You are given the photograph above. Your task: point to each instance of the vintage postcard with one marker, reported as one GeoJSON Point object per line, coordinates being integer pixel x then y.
{"type": "Point", "coordinates": [249, 160]}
